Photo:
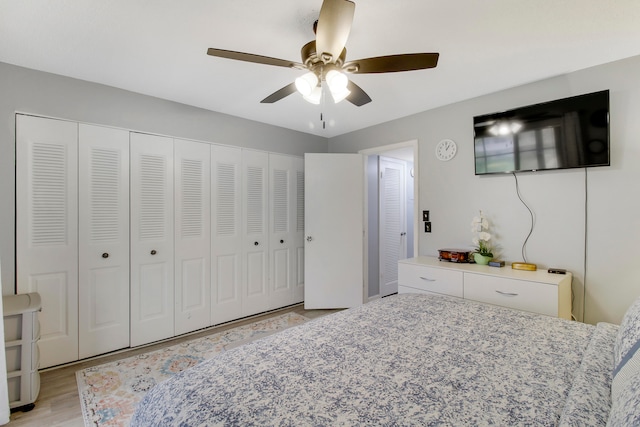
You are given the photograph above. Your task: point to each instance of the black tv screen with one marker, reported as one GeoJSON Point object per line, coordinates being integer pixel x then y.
{"type": "Point", "coordinates": [566, 133]}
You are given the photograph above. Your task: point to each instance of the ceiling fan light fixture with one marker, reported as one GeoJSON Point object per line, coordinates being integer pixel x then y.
{"type": "Point", "coordinates": [337, 81]}
{"type": "Point", "coordinates": [315, 96]}
{"type": "Point", "coordinates": [339, 95]}
{"type": "Point", "coordinates": [307, 83]}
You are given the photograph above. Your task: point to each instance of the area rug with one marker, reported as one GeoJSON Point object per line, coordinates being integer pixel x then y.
{"type": "Point", "coordinates": [109, 393]}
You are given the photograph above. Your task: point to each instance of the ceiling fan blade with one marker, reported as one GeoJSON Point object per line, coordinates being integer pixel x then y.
{"type": "Point", "coordinates": [249, 57]}
{"type": "Point", "coordinates": [392, 63]}
{"type": "Point", "coordinates": [357, 97]}
{"type": "Point", "coordinates": [279, 94]}
{"type": "Point", "coordinates": [334, 25]}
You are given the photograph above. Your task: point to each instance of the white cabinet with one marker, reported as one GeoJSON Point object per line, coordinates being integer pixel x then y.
{"type": "Point", "coordinates": [226, 233]}
{"type": "Point", "coordinates": [21, 334]}
{"type": "Point", "coordinates": [103, 227]}
{"type": "Point", "coordinates": [47, 229]}
{"type": "Point", "coordinates": [534, 291]}
{"type": "Point", "coordinates": [192, 236]}
{"type": "Point", "coordinates": [152, 237]}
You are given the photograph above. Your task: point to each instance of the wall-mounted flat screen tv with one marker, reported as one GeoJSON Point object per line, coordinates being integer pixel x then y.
{"type": "Point", "coordinates": [565, 133]}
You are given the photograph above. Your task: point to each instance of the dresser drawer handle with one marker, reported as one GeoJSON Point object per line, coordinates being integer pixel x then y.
{"type": "Point", "coordinates": [428, 280]}
{"type": "Point", "coordinates": [507, 294]}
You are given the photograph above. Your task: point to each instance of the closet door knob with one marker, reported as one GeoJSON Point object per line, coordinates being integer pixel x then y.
{"type": "Point", "coordinates": [281, 241]}
{"type": "Point", "coordinates": [105, 255]}
{"type": "Point", "coordinates": [153, 252]}
{"type": "Point", "coordinates": [256, 243]}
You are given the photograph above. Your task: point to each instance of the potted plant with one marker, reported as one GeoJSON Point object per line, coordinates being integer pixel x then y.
{"type": "Point", "coordinates": [481, 238]}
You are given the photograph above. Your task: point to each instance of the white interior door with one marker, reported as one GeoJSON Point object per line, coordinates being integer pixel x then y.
{"type": "Point", "coordinates": [192, 236]}
{"type": "Point", "coordinates": [226, 233]}
{"type": "Point", "coordinates": [298, 209]}
{"type": "Point", "coordinates": [152, 225]}
{"type": "Point", "coordinates": [255, 262]}
{"type": "Point", "coordinates": [103, 267]}
{"type": "Point", "coordinates": [47, 230]}
{"type": "Point", "coordinates": [393, 229]}
{"type": "Point", "coordinates": [281, 237]}
{"type": "Point", "coordinates": [334, 222]}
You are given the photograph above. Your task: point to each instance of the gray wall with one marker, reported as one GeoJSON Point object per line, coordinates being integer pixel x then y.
{"type": "Point", "coordinates": [39, 93]}
{"type": "Point", "coordinates": [603, 255]}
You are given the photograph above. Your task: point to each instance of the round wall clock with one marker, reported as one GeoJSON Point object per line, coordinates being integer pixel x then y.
{"type": "Point", "coordinates": [446, 149]}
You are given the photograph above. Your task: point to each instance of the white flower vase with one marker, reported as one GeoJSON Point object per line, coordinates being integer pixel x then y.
{"type": "Point", "coordinates": [481, 259]}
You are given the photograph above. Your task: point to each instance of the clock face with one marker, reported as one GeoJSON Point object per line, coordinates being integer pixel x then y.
{"type": "Point", "coordinates": [446, 149]}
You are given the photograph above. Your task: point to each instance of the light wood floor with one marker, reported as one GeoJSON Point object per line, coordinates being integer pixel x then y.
{"type": "Point", "coordinates": [58, 403]}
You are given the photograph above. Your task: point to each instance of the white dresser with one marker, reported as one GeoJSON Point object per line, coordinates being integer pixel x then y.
{"type": "Point", "coordinates": [534, 291]}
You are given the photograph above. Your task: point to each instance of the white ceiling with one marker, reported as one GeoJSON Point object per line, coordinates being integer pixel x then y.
{"type": "Point", "coordinates": [158, 48]}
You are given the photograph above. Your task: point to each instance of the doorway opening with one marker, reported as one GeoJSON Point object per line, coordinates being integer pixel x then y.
{"type": "Point", "coordinates": [390, 216]}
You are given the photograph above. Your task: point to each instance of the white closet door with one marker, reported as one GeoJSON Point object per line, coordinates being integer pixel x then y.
{"type": "Point", "coordinates": [47, 230]}
{"type": "Point", "coordinates": [193, 236]}
{"type": "Point", "coordinates": [393, 229]}
{"type": "Point", "coordinates": [103, 267]}
{"type": "Point", "coordinates": [152, 225]}
{"type": "Point", "coordinates": [298, 231]}
{"type": "Point", "coordinates": [255, 298]}
{"type": "Point", "coordinates": [226, 234]}
{"type": "Point", "coordinates": [282, 222]}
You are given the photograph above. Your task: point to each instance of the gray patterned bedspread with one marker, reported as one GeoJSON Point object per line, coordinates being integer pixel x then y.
{"type": "Point", "coordinates": [404, 360]}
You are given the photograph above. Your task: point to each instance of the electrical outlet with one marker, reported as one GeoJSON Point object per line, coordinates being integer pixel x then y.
{"type": "Point", "coordinates": [427, 227]}
{"type": "Point", "coordinates": [425, 215]}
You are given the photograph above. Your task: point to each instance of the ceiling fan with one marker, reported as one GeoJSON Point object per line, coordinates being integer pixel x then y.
{"type": "Point", "coordinates": [324, 58]}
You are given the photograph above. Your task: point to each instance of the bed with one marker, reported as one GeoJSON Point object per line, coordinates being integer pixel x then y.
{"type": "Point", "coordinates": [415, 359]}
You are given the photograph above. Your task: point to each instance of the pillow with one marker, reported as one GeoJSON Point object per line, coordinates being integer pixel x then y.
{"type": "Point", "coordinates": [625, 394]}
{"type": "Point", "coordinates": [628, 334]}
{"type": "Point", "coordinates": [625, 386]}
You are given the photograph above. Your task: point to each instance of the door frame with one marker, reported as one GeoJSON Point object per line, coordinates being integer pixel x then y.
{"type": "Point", "coordinates": [380, 150]}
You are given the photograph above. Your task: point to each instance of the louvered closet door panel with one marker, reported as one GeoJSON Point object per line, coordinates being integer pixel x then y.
{"type": "Point", "coordinates": [103, 268]}
{"type": "Point", "coordinates": [226, 234]}
{"type": "Point", "coordinates": [47, 230]}
{"type": "Point", "coordinates": [298, 230]}
{"type": "Point", "coordinates": [392, 223]}
{"type": "Point", "coordinates": [152, 237]}
{"type": "Point", "coordinates": [192, 236]}
{"type": "Point", "coordinates": [255, 298]}
{"type": "Point", "coordinates": [281, 229]}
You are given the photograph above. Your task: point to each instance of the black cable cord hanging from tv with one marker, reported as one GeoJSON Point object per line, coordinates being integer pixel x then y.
{"type": "Point", "coordinates": [524, 257]}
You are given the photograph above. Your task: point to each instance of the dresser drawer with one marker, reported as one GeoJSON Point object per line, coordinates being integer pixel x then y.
{"type": "Point", "coordinates": [430, 279]}
{"type": "Point", "coordinates": [535, 297]}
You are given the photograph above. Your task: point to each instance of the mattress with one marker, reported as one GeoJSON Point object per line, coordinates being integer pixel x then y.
{"type": "Point", "coordinates": [403, 360]}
